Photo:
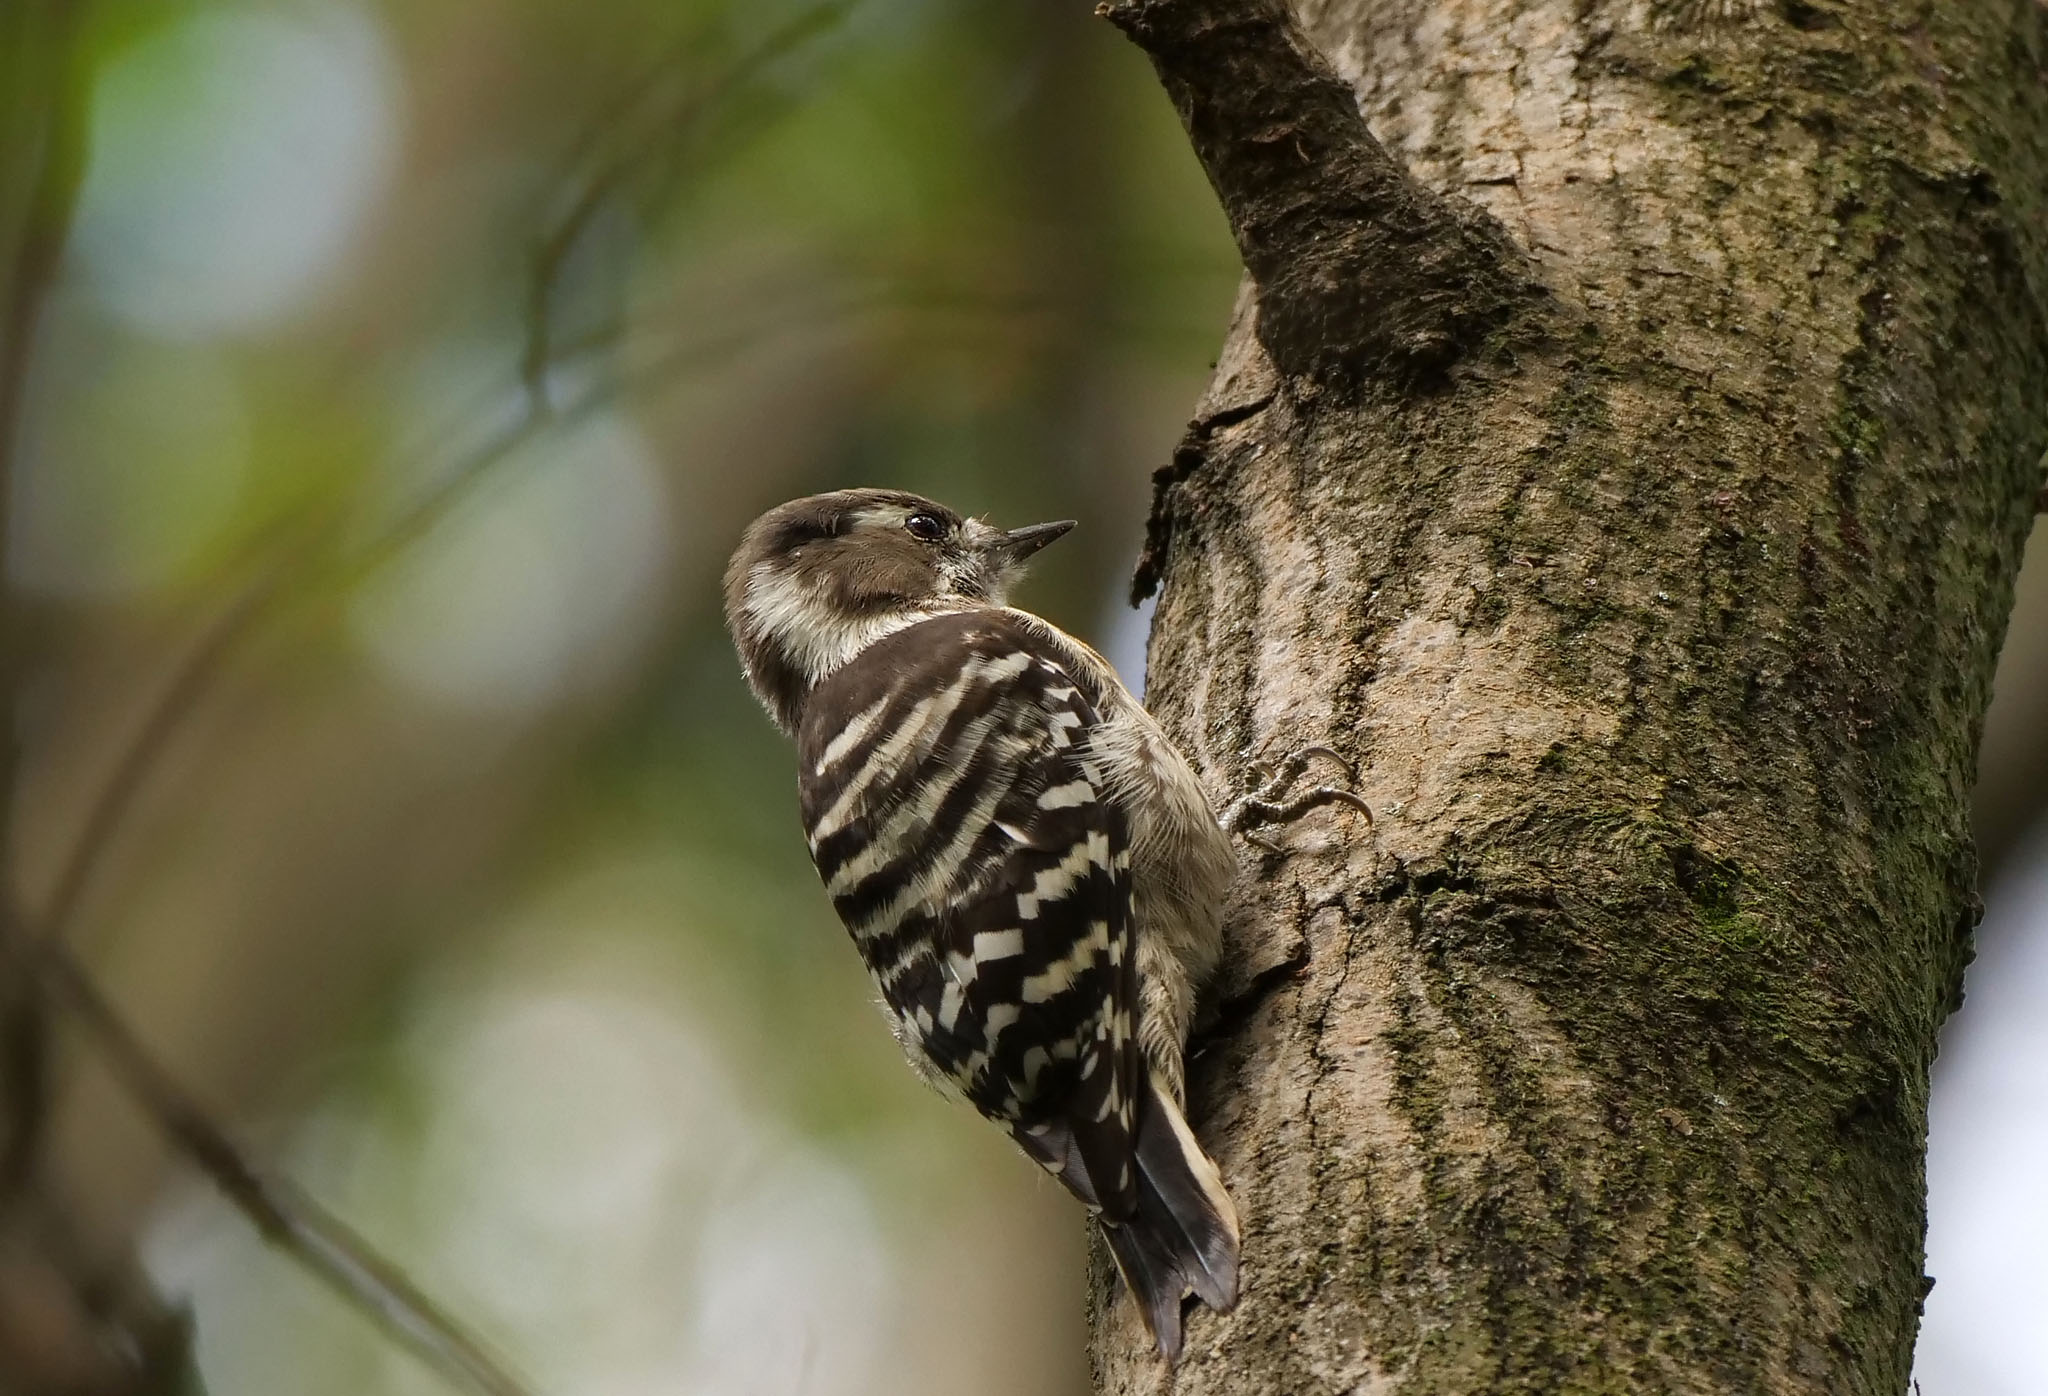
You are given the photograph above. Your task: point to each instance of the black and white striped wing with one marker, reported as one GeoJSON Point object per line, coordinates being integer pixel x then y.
{"type": "Point", "coordinates": [967, 843]}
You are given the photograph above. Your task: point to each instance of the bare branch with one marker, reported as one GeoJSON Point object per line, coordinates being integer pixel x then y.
{"type": "Point", "coordinates": [187, 683]}
{"type": "Point", "coordinates": [59, 157]}
{"type": "Point", "coordinates": [55, 151]}
{"type": "Point", "coordinates": [285, 1216]}
{"type": "Point", "coordinates": [196, 672]}
{"type": "Point", "coordinates": [1363, 273]}
{"type": "Point", "coordinates": [675, 133]}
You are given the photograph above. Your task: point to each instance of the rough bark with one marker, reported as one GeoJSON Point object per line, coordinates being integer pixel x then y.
{"type": "Point", "coordinates": [1632, 485]}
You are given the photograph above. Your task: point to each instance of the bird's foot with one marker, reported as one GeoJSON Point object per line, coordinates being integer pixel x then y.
{"type": "Point", "coordinates": [1269, 802]}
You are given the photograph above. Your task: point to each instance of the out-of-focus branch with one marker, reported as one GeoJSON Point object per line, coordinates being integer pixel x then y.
{"type": "Point", "coordinates": [626, 140]}
{"type": "Point", "coordinates": [281, 1213]}
{"type": "Point", "coordinates": [57, 152]}
{"type": "Point", "coordinates": [284, 1215]}
{"type": "Point", "coordinates": [288, 1218]}
{"type": "Point", "coordinates": [186, 685]}
{"type": "Point", "coordinates": [272, 579]}
{"type": "Point", "coordinates": [52, 147]}
{"type": "Point", "coordinates": [68, 1322]}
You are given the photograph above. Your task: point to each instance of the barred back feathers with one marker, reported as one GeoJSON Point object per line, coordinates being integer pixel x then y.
{"type": "Point", "coordinates": [1027, 867]}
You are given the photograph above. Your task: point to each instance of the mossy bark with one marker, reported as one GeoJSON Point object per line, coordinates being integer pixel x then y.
{"type": "Point", "coordinates": [1656, 595]}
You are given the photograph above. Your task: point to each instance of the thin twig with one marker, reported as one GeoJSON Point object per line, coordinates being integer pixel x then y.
{"type": "Point", "coordinates": [285, 1215]}
{"type": "Point", "coordinates": [46, 227]}
{"type": "Point", "coordinates": [555, 246]}
{"type": "Point", "coordinates": [197, 670]}
{"type": "Point", "coordinates": [57, 155]}
{"type": "Point", "coordinates": [187, 684]}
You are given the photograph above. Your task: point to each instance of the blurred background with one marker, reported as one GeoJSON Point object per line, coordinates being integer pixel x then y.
{"type": "Point", "coordinates": [400, 376]}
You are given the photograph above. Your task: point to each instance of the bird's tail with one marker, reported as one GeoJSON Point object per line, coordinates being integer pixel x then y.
{"type": "Point", "coordinates": [1183, 1235]}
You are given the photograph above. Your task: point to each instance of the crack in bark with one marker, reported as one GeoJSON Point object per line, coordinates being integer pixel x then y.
{"type": "Point", "coordinates": [1326, 1066]}
{"type": "Point", "coordinates": [1189, 456]}
{"type": "Point", "coordinates": [1233, 1013]}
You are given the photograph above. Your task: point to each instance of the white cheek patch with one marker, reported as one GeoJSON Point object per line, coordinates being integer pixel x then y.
{"type": "Point", "coordinates": [776, 601]}
{"type": "Point", "coordinates": [815, 636]}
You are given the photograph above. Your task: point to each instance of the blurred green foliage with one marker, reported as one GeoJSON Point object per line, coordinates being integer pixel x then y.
{"type": "Point", "coordinates": [472, 885]}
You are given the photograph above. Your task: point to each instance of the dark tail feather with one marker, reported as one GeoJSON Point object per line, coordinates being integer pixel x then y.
{"type": "Point", "coordinates": [1180, 1192]}
{"type": "Point", "coordinates": [1183, 1235]}
{"type": "Point", "coordinates": [1155, 1279]}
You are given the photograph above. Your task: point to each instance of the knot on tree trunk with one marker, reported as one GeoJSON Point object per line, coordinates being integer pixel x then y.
{"type": "Point", "coordinates": [1364, 275]}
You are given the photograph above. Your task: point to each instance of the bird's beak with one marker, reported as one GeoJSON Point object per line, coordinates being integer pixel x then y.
{"type": "Point", "coordinates": [1019, 543]}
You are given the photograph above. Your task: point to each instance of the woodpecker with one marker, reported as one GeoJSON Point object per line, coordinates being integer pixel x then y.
{"type": "Point", "coordinates": [1028, 867]}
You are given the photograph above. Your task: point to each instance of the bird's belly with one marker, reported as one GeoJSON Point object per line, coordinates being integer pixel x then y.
{"type": "Point", "coordinates": [1181, 860]}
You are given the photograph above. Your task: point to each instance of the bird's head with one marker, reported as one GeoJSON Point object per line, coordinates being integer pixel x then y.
{"type": "Point", "coordinates": [817, 580]}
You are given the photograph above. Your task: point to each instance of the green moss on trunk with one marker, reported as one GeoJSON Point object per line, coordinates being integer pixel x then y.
{"type": "Point", "coordinates": [1662, 632]}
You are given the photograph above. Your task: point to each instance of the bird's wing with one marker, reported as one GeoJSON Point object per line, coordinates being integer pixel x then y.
{"type": "Point", "coordinates": [968, 843]}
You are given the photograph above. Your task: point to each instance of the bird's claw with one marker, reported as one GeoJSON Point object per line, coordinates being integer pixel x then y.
{"type": "Point", "coordinates": [1265, 805]}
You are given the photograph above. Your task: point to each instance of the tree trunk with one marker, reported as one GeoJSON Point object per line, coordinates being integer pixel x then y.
{"type": "Point", "coordinates": [1644, 528]}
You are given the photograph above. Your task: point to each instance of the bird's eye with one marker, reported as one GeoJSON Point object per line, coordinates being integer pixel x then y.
{"type": "Point", "coordinates": [929, 527]}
